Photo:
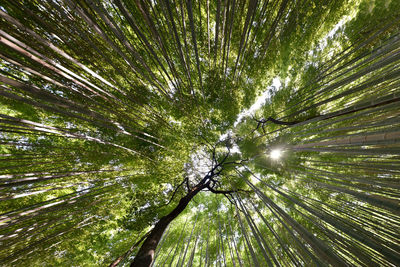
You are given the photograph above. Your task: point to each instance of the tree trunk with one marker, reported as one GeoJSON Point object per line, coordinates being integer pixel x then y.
{"type": "Point", "coordinates": [126, 254]}
{"type": "Point", "coordinates": [145, 255]}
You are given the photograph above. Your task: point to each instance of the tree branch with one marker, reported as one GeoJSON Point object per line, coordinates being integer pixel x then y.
{"type": "Point", "coordinates": [263, 121]}
{"type": "Point", "coordinates": [236, 162]}
{"type": "Point", "coordinates": [222, 191]}
{"type": "Point", "coordinates": [187, 184]}
{"type": "Point", "coordinates": [176, 189]}
{"type": "Point", "coordinates": [230, 200]}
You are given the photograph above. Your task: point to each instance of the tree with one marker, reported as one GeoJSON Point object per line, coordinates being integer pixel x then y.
{"type": "Point", "coordinates": [128, 129]}
{"type": "Point", "coordinates": [210, 182]}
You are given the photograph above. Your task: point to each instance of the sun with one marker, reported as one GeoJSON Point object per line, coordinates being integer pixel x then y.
{"type": "Point", "coordinates": [275, 154]}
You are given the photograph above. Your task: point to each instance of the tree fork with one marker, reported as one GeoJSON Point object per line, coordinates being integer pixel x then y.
{"type": "Point", "coordinates": [145, 255]}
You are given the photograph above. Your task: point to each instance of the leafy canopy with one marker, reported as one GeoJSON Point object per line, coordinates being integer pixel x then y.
{"type": "Point", "coordinates": [108, 106]}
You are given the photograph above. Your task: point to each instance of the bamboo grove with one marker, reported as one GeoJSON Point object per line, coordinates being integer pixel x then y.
{"type": "Point", "coordinates": [108, 107]}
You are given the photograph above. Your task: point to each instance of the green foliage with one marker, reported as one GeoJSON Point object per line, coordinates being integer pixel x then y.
{"type": "Point", "coordinates": [108, 106]}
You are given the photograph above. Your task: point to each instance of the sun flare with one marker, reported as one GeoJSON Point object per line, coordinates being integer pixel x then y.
{"type": "Point", "coordinates": [275, 154]}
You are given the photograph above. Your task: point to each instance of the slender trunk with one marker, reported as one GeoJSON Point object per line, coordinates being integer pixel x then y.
{"type": "Point", "coordinates": [145, 255]}
{"type": "Point", "coordinates": [248, 242]}
{"type": "Point", "coordinates": [281, 122]}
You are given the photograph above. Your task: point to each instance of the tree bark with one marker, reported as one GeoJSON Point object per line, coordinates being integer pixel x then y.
{"type": "Point", "coordinates": [145, 255]}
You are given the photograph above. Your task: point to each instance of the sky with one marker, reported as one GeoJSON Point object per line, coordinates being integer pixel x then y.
{"type": "Point", "coordinates": [276, 82]}
{"type": "Point", "coordinates": [260, 101]}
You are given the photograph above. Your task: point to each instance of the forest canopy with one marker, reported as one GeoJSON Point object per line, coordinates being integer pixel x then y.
{"type": "Point", "coordinates": [257, 133]}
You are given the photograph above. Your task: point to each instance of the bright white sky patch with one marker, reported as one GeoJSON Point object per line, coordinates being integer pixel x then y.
{"type": "Point", "coordinates": [276, 82]}
{"type": "Point", "coordinates": [200, 166]}
{"type": "Point", "coordinates": [198, 208]}
{"type": "Point", "coordinates": [324, 41]}
{"type": "Point", "coordinates": [275, 154]}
